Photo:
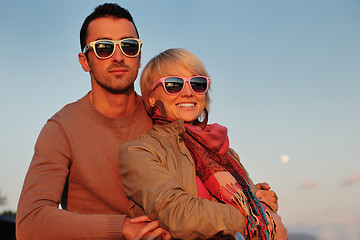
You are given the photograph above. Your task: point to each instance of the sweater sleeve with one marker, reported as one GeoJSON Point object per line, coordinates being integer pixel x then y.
{"type": "Point", "coordinates": [149, 183]}
{"type": "Point", "coordinates": [38, 214]}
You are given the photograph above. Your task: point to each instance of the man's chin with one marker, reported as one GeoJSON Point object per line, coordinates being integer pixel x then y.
{"type": "Point", "coordinates": [124, 90]}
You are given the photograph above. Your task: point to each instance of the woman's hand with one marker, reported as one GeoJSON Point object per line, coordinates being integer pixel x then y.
{"type": "Point", "coordinates": [151, 227]}
{"type": "Point", "coordinates": [266, 195]}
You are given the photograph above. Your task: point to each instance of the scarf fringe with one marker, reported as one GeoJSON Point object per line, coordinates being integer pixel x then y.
{"type": "Point", "coordinates": [255, 220]}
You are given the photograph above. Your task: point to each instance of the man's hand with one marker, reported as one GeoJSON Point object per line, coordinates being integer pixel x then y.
{"type": "Point", "coordinates": [144, 228]}
{"type": "Point", "coordinates": [266, 195]}
{"type": "Point", "coordinates": [281, 231]}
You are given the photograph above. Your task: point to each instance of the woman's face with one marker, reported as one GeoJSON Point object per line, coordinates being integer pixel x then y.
{"type": "Point", "coordinates": [186, 105]}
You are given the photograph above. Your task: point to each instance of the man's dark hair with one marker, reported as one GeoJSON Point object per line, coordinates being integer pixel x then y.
{"type": "Point", "coordinates": [104, 10]}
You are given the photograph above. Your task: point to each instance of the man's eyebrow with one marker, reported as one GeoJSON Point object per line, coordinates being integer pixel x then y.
{"type": "Point", "coordinates": [102, 38]}
{"type": "Point", "coordinates": [107, 38]}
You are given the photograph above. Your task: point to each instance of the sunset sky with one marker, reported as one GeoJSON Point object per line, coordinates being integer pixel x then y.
{"type": "Point", "coordinates": [285, 81]}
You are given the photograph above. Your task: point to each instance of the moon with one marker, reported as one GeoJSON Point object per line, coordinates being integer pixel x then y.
{"type": "Point", "coordinates": [285, 158]}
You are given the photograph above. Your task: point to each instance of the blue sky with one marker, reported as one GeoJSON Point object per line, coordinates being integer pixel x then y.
{"type": "Point", "coordinates": [285, 81]}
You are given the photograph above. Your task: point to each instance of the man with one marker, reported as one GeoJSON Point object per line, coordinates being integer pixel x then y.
{"type": "Point", "coordinates": [75, 159]}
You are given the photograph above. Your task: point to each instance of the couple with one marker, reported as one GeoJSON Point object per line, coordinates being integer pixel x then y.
{"type": "Point", "coordinates": [75, 162]}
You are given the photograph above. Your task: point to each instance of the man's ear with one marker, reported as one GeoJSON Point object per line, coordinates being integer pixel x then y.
{"type": "Point", "coordinates": [84, 62]}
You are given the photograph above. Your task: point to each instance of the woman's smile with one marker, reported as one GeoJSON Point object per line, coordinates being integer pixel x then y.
{"type": "Point", "coordinates": [186, 105]}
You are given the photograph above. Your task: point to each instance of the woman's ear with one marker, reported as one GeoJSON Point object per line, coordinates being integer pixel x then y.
{"type": "Point", "coordinates": [151, 100]}
{"type": "Point", "coordinates": [84, 62]}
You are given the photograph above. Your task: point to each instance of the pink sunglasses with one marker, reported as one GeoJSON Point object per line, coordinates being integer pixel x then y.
{"type": "Point", "coordinates": [175, 84]}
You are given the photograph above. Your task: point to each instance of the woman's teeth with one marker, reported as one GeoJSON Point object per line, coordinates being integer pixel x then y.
{"type": "Point", "coordinates": [185, 104]}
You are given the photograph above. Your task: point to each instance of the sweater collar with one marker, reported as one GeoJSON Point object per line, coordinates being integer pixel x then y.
{"type": "Point", "coordinates": [119, 122]}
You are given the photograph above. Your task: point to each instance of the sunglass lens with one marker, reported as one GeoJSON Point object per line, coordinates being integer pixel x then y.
{"type": "Point", "coordinates": [104, 49]}
{"type": "Point", "coordinates": [174, 84]}
{"type": "Point", "coordinates": [198, 84]}
{"type": "Point", "coordinates": [130, 47]}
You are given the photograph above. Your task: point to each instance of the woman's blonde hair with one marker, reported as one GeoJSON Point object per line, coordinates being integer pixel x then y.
{"type": "Point", "coordinates": [170, 62]}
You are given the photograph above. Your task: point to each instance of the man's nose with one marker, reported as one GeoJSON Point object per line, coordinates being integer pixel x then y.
{"type": "Point", "coordinates": [118, 55]}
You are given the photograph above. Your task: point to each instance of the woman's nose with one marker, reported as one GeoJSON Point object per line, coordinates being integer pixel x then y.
{"type": "Point", "coordinates": [187, 90]}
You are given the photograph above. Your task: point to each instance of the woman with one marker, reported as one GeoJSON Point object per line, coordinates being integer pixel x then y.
{"type": "Point", "coordinates": [183, 171]}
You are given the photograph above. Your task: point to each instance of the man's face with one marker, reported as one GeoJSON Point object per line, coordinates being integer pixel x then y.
{"type": "Point", "coordinates": [117, 73]}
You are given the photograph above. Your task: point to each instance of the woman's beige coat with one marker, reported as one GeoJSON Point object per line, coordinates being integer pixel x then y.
{"type": "Point", "coordinates": [159, 175]}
